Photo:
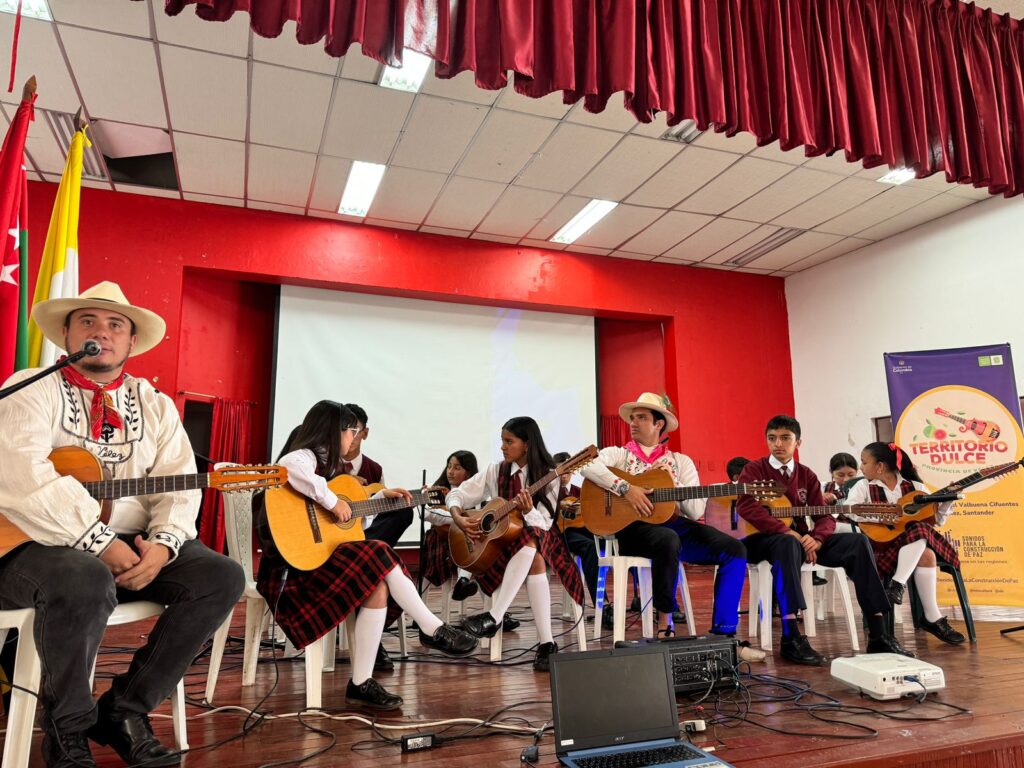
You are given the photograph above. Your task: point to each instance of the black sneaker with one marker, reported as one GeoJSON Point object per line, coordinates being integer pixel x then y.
{"type": "Point", "coordinates": [797, 649]}
{"type": "Point", "coordinates": [67, 751]}
{"type": "Point", "coordinates": [634, 604]}
{"type": "Point", "coordinates": [508, 624]}
{"type": "Point", "coordinates": [383, 662]}
{"type": "Point", "coordinates": [894, 591]}
{"type": "Point", "coordinates": [608, 617]}
{"type": "Point", "coordinates": [942, 630]}
{"type": "Point", "coordinates": [449, 641]}
{"type": "Point", "coordinates": [887, 644]}
{"type": "Point", "coordinates": [541, 662]}
{"type": "Point", "coordinates": [371, 695]}
{"type": "Point", "coordinates": [464, 589]}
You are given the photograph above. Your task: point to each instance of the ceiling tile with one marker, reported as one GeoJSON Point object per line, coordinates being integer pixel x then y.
{"type": "Point", "coordinates": [229, 37]}
{"type": "Point", "coordinates": [654, 129]}
{"type": "Point", "coordinates": [286, 51]}
{"type": "Point", "coordinates": [570, 153]}
{"type": "Point", "coordinates": [734, 185]}
{"type": "Point", "coordinates": [557, 217]}
{"type": "Point", "coordinates": [258, 205]}
{"type": "Point", "coordinates": [589, 250]}
{"type": "Point", "coordinates": [935, 208]}
{"type": "Point", "coordinates": [213, 104]}
{"type": "Point", "coordinates": [135, 189]}
{"type": "Point", "coordinates": [438, 134]}
{"type": "Point", "coordinates": [41, 144]}
{"type": "Point", "coordinates": [973, 193]}
{"type": "Point", "coordinates": [446, 231]}
{"type": "Point", "coordinates": [543, 244]}
{"type": "Point", "coordinates": [848, 193]}
{"type": "Point", "coordinates": [670, 229]}
{"type": "Point", "coordinates": [714, 237]}
{"type": "Point", "coordinates": [619, 225]}
{"type": "Point", "coordinates": [688, 171]}
{"type": "Point", "coordinates": [772, 151]}
{"type": "Point", "coordinates": [279, 95]}
{"type": "Point", "coordinates": [873, 173]}
{"type": "Point", "coordinates": [335, 216]}
{"type": "Point", "coordinates": [122, 84]}
{"type": "Point", "coordinates": [331, 175]}
{"type": "Point", "coordinates": [739, 246]}
{"type": "Point", "coordinates": [827, 254]}
{"type": "Point", "coordinates": [836, 163]}
{"type": "Point", "coordinates": [546, 106]}
{"type": "Point", "coordinates": [788, 192]}
{"type": "Point", "coordinates": [461, 87]}
{"type": "Point", "coordinates": [800, 247]}
{"type": "Point", "coordinates": [279, 175]}
{"type": "Point", "coordinates": [891, 202]}
{"type": "Point", "coordinates": [210, 166]}
{"type": "Point", "coordinates": [518, 211]}
{"type": "Point", "coordinates": [631, 256]}
{"type": "Point", "coordinates": [366, 121]}
{"type": "Point", "coordinates": [384, 223]}
{"type": "Point", "coordinates": [39, 55]}
{"type": "Point", "coordinates": [463, 203]}
{"type": "Point", "coordinates": [105, 15]}
{"type": "Point", "coordinates": [215, 199]}
{"type": "Point", "coordinates": [406, 194]}
{"type": "Point", "coordinates": [494, 238]}
{"type": "Point", "coordinates": [741, 143]}
{"type": "Point", "coordinates": [627, 166]}
{"type": "Point", "coordinates": [359, 67]}
{"type": "Point", "coordinates": [614, 117]}
{"type": "Point", "coordinates": [505, 144]}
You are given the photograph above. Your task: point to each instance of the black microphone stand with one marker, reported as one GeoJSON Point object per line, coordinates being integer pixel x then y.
{"type": "Point", "coordinates": [45, 372]}
{"type": "Point", "coordinates": [423, 539]}
{"type": "Point", "coordinates": [1011, 630]}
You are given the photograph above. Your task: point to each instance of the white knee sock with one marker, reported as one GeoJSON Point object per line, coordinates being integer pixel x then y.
{"type": "Point", "coordinates": [515, 574]}
{"type": "Point", "coordinates": [925, 580]}
{"type": "Point", "coordinates": [906, 562]}
{"type": "Point", "coordinates": [464, 574]}
{"type": "Point", "coordinates": [369, 627]}
{"type": "Point", "coordinates": [539, 592]}
{"type": "Point", "coordinates": [405, 594]}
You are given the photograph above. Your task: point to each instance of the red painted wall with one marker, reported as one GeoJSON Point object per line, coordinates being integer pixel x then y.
{"type": "Point", "coordinates": [630, 360]}
{"type": "Point", "coordinates": [726, 345]}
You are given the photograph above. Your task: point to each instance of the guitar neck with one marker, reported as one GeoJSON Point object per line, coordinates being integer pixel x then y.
{"type": "Point", "coordinates": [976, 477]}
{"type": "Point", "coordinates": [372, 507]}
{"type": "Point", "coordinates": [787, 512]}
{"type": "Point", "coordinates": [691, 492]}
{"type": "Point", "coordinates": [145, 486]}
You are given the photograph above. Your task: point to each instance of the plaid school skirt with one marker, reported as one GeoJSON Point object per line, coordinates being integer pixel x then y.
{"type": "Point", "coordinates": [438, 566]}
{"type": "Point", "coordinates": [552, 548]}
{"type": "Point", "coordinates": [888, 553]}
{"type": "Point", "coordinates": [308, 604]}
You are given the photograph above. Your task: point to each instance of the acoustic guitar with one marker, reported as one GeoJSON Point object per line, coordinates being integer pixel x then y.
{"type": "Point", "coordinates": [72, 461]}
{"type": "Point", "coordinates": [914, 511]}
{"type": "Point", "coordinates": [986, 431]}
{"type": "Point", "coordinates": [569, 514]}
{"type": "Point", "coordinates": [501, 521]}
{"type": "Point", "coordinates": [306, 534]}
{"type": "Point", "coordinates": [781, 509]}
{"type": "Point", "coordinates": [606, 513]}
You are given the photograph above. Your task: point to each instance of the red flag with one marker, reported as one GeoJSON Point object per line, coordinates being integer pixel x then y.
{"type": "Point", "coordinates": [12, 189]}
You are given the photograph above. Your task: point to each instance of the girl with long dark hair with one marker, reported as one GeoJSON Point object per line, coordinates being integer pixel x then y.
{"type": "Point", "coordinates": [889, 474]}
{"type": "Point", "coordinates": [842, 468]}
{"type": "Point", "coordinates": [526, 459]}
{"type": "Point", "coordinates": [438, 566]}
{"type": "Point", "coordinates": [359, 575]}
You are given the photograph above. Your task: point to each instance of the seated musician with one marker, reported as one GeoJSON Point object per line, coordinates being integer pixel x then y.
{"type": "Point", "coordinates": [526, 459]}
{"type": "Point", "coordinates": [80, 565]}
{"type": "Point", "coordinates": [359, 575]}
{"type": "Point", "coordinates": [438, 566]}
{"type": "Point", "coordinates": [788, 548]}
{"type": "Point", "coordinates": [842, 468]}
{"type": "Point", "coordinates": [889, 475]}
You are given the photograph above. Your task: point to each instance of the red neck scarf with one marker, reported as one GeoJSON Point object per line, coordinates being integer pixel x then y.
{"type": "Point", "coordinates": [102, 411]}
{"type": "Point", "coordinates": [634, 447]}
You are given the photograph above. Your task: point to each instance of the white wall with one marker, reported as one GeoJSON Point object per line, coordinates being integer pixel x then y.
{"type": "Point", "coordinates": [955, 282]}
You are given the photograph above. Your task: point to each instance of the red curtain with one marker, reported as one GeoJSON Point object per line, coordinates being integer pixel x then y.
{"type": "Point", "coordinates": [614, 431]}
{"type": "Point", "coordinates": [935, 85]}
{"type": "Point", "coordinates": [231, 441]}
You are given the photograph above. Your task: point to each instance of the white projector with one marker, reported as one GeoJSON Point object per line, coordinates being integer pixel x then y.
{"type": "Point", "coordinates": [888, 675]}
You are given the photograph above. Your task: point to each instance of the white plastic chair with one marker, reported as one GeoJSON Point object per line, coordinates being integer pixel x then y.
{"type": "Point", "coordinates": [608, 557]}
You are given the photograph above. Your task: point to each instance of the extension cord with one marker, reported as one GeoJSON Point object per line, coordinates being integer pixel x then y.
{"type": "Point", "coordinates": [694, 726]}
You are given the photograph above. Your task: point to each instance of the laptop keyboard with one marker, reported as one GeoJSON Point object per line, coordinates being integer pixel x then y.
{"type": "Point", "coordinates": [659, 756]}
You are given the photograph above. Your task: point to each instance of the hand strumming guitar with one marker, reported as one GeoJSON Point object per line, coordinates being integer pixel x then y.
{"type": "Point", "coordinates": [468, 525]}
{"type": "Point", "coordinates": [342, 511]}
{"type": "Point", "coordinates": [637, 496]}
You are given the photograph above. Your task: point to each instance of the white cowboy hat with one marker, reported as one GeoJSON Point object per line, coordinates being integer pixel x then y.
{"type": "Point", "coordinates": [652, 402]}
{"type": "Point", "coordinates": [50, 315]}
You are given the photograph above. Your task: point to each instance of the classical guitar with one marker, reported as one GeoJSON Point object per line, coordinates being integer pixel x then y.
{"type": "Point", "coordinates": [986, 431]}
{"type": "Point", "coordinates": [781, 509]}
{"type": "Point", "coordinates": [605, 513]}
{"type": "Point", "coordinates": [914, 511]}
{"type": "Point", "coordinates": [569, 514]}
{"type": "Point", "coordinates": [501, 521]}
{"type": "Point", "coordinates": [72, 461]}
{"type": "Point", "coordinates": [306, 534]}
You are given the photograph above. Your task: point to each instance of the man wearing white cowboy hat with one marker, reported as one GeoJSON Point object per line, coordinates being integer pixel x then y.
{"type": "Point", "coordinates": [77, 567]}
{"type": "Point", "coordinates": [650, 419]}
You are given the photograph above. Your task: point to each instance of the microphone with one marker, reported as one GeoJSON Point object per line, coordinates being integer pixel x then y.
{"type": "Point", "coordinates": [91, 348]}
{"type": "Point", "coordinates": [937, 498]}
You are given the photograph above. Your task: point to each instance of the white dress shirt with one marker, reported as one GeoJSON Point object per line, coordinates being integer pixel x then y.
{"type": "Point", "coordinates": [302, 476]}
{"type": "Point", "coordinates": [484, 485]}
{"type": "Point", "coordinates": [860, 494]}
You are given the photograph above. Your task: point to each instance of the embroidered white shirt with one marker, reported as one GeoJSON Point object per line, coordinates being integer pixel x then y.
{"type": "Point", "coordinates": [678, 465]}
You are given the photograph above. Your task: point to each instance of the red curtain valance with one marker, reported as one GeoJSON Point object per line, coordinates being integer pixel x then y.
{"type": "Point", "coordinates": [935, 85]}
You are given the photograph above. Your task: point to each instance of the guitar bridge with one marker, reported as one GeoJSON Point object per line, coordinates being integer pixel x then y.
{"type": "Point", "coordinates": [607, 505]}
{"type": "Point", "coordinates": [314, 523]}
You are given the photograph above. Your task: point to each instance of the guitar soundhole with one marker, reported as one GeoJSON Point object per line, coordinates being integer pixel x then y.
{"type": "Point", "coordinates": [487, 523]}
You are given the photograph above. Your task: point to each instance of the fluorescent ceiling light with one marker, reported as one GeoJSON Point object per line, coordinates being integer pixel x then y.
{"type": "Point", "coordinates": [685, 133]}
{"type": "Point", "coordinates": [363, 180]}
{"type": "Point", "coordinates": [764, 246]}
{"type": "Point", "coordinates": [410, 76]}
{"type": "Point", "coordinates": [32, 9]}
{"type": "Point", "coordinates": [898, 176]}
{"type": "Point", "coordinates": [579, 224]}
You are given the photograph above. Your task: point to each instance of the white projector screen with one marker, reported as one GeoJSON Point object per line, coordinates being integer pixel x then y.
{"type": "Point", "coordinates": [433, 377]}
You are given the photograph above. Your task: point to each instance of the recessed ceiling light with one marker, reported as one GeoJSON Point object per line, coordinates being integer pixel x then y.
{"type": "Point", "coordinates": [33, 9]}
{"type": "Point", "coordinates": [685, 133]}
{"type": "Point", "coordinates": [898, 176]}
{"type": "Point", "coordinates": [410, 76]}
{"type": "Point", "coordinates": [363, 180]}
{"type": "Point", "coordinates": [578, 225]}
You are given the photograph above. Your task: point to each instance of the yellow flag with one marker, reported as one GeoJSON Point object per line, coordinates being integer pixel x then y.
{"type": "Point", "coordinates": [58, 272]}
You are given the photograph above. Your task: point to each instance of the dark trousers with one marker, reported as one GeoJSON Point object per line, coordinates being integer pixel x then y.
{"type": "Point", "coordinates": [73, 594]}
{"type": "Point", "coordinates": [702, 544]}
{"type": "Point", "coordinates": [850, 551]}
{"type": "Point", "coordinates": [390, 527]}
{"type": "Point", "coordinates": [580, 543]}
{"type": "Point", "coordinates": [662, 546]}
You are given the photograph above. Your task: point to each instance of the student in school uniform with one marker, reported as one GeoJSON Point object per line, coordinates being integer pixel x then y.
{"type": "Point", "coordinates": [842, 468]}
{"type": "Point", "coordinates": [438, 566]}
{"type": "Point", "coordinates": [526, 460]}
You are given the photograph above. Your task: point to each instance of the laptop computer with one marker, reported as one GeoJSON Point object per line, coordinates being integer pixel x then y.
{"type": "Point", "coordinates": [617, 708]}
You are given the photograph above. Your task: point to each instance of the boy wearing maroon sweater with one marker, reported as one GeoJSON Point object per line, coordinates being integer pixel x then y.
{"type": "Point", "coordinates": [789, 548]}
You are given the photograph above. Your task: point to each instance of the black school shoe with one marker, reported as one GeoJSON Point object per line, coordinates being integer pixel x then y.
{"type": "Point", "coordinates": [68, 750]}
{"type": "Point", "coordinates": [449, 641]}
{"type": "Point", "coordinates": [943, 631]}
{"type": "Point", "coordinates": [797, 649]}
{"type": "Point", "coordinates": [133, 740]}
{"type": "Point", "coordinates": [508, 624]}
{"type": "Point", "coordinates": [894, 591]}
{"type": "Point", "coordinates": [383, 662]}
{"type": "Point", "coordinates": [541, 662]}
{"type": "Point", "coordinates": [371, 695]}
{"type": "Point", "coordinates": [464, 589]}
{"type": "Point", "coordinates": [480, 624]}
{"type": "Point", "coordinates": [887, 644]}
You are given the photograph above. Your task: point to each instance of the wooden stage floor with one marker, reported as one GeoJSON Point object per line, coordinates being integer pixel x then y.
{"type": "Point", "coordinates": [987, 678]}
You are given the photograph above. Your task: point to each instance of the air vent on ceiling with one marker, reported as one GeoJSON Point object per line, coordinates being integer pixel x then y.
{"type": "Point", "coordinates": [684, 133]}
{"type": "Point", "coordinates": [63, 126]}
{"type": "Point", "coordinates": [768, 244]}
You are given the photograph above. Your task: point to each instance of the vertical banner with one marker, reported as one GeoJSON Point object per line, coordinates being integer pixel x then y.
{"type": "Point", "coordinates": [956, 411]}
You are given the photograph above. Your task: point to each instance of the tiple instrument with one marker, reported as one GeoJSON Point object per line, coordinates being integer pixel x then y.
{"type": "Point", "coordinates": [781, 509]}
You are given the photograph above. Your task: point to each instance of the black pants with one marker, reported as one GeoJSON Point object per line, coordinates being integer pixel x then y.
{"type": "Point", "coordinates": [73, 594]}
{"type": "Point", "coordinates": [390, 527]}
{"type": "Point", "coordinates": [662, 546]}
{"type": "Point", "coordinates": [580, 543]}
{"type": "Point", "coordinates": [849, 551]}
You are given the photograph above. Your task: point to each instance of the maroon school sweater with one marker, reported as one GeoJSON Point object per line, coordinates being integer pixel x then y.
{"type": "Point", "coordinates": [803, 489]}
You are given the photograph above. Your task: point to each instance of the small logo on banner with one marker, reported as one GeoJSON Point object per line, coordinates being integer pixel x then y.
{"type": "Point", "coordinates": [984, 361]}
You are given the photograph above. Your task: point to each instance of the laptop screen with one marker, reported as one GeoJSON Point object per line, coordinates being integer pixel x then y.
{"type": "Point", "coordinates": [605, 698]}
